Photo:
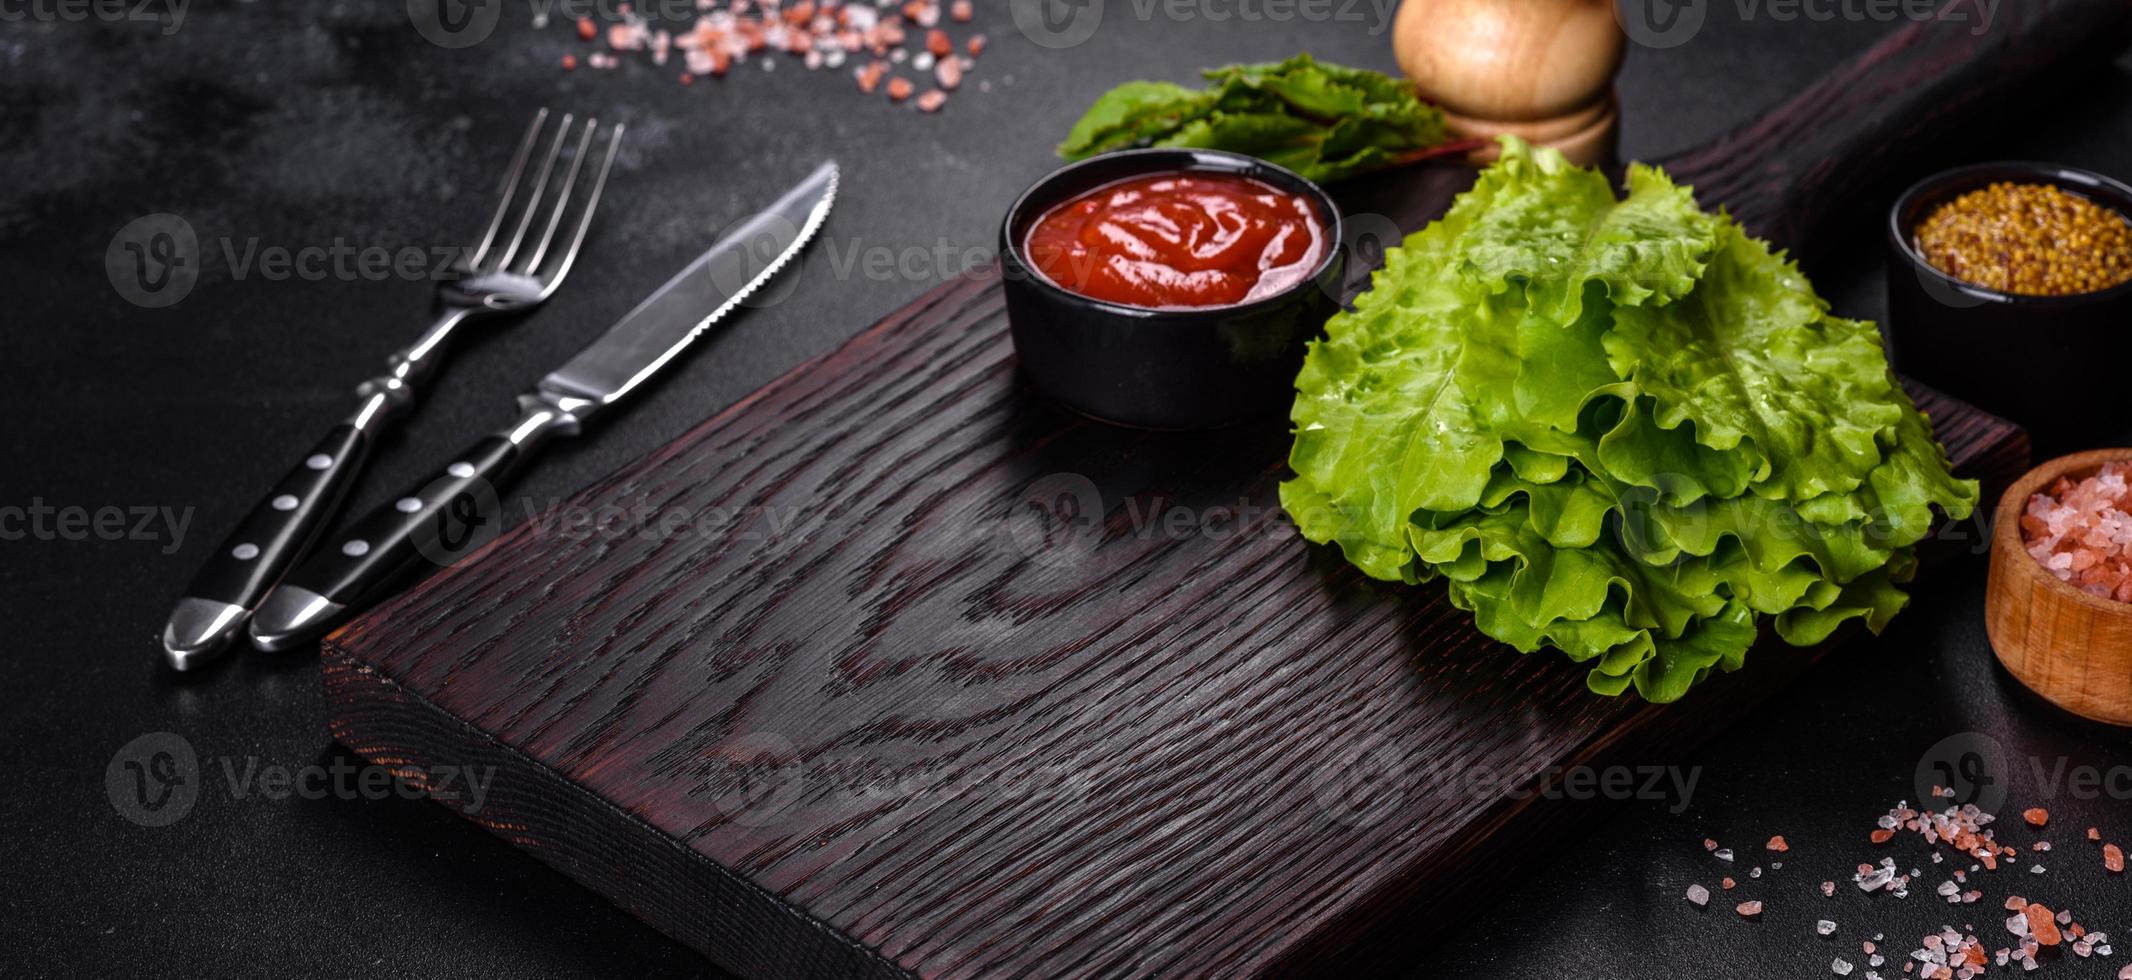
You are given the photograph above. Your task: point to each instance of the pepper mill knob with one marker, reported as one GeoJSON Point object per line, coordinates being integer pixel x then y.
{"type": "Point", "coordinates": [1539, 69]}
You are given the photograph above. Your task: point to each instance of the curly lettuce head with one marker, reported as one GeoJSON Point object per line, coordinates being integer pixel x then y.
{"type": "Point", "coordinates": [1617, 426]}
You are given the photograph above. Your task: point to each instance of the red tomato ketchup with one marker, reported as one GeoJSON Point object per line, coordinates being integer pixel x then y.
{"type": "Point", "coordinates": [1185, 239]}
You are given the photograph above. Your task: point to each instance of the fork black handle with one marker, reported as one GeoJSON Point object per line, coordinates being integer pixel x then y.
{"type": "Point", "coordinates": [280, 529]}
{"type": "Point", "coordinates": [430, 525]}
{"type": "Point", "coordinates": [263, 546]}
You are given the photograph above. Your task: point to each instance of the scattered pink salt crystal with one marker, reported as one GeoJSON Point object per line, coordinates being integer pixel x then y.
{"type": "Point", "coordinates": [627, 36]}
{"type": "Point", "coordinates": [819, 33]}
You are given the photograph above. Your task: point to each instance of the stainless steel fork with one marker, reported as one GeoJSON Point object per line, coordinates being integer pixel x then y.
{"type": "Point", "coordinates": [495, 277]}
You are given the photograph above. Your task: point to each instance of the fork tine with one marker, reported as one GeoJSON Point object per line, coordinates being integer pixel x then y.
{"type": "Point", "coordinates": [510, 187]}
{"type": "Point", "coordinates": [584, 221]}
{"type": "Point", "coordinates": [562, 199]}
{"type": "Point", "coordinates": [540, 189]}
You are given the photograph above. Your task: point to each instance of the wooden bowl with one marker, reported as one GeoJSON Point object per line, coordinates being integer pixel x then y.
{"type": "Point", "coordinates": [2072, 648]}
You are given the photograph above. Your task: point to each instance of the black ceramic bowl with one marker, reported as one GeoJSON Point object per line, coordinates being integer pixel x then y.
{"type": "Point", "coordinates": [2051, 363]}
{"type": "Point", "coordinates": [1163, 368]}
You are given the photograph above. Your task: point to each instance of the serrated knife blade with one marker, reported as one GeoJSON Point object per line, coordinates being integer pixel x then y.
{"type": "Point", "coordinates": [709, 290]}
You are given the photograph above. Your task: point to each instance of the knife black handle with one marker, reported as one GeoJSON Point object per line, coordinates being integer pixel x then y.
{"type": "Point", "coordinates": [431, 525]}
{"type": "Point", "coordinates": [263, 546]}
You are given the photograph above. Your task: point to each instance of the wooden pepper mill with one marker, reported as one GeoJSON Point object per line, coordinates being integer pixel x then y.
{"type": "Point", "coordinates": [1539, 69]}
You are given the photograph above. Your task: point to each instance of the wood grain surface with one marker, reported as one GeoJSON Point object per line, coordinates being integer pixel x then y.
{"type": "Point", "coordinates": [943, 680]}
{"type": "Point", "coordinates": [895, 669]}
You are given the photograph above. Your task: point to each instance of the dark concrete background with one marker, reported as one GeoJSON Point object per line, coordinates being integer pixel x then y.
{"type": "Point", "coordinates": [299, 124]}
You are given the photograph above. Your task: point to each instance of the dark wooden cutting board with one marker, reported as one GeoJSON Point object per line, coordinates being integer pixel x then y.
{"type": "Point", "coordinates": [942, 680]}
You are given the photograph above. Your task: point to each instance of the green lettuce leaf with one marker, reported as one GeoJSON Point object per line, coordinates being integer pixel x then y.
{"type": "Point", "coordinates": [1133, 113]}
{"type": "Point", "coordinates": [1326, 122]}
{"type": "Point", "coordinates": [1618, 427]}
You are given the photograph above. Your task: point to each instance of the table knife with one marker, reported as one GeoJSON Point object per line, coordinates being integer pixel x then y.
{"type": "Point", "coordinates": [432, 520]}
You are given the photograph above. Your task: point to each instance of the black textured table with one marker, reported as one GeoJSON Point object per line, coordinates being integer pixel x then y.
{"type": "Point", "coordinates": [308, 125]}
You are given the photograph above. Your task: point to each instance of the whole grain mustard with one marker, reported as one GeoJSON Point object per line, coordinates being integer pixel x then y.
{"type": "Point", "coordinates": [2028, 239]}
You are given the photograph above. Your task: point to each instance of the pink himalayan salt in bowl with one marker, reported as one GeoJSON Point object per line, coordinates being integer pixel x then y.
{"type": "Point", "coordinates": [2081, 531]}
{"type": "Point", "coordinates": [2050, 627]}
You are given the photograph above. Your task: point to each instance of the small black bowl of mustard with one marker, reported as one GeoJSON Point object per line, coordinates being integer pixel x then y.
{"type": "Point", "coordinates": [2010, 287]}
